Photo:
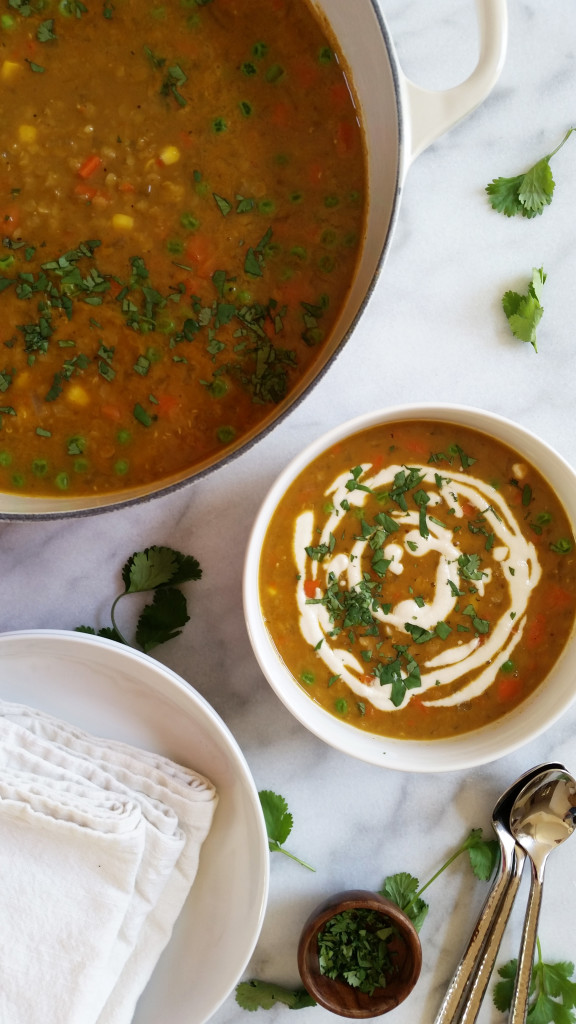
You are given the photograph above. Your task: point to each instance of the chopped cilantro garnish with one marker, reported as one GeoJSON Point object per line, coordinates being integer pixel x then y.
{"type": "Point", "coordinates": [142, 416]}
{"type": "Point", "coordinates": [469, 567]}
{"type": "Point", "coordinates": [418, 633]}
{"type": "Point", "coordinates": [45, 31]}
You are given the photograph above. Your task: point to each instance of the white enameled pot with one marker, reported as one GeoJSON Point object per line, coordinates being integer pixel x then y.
{"type": "Point", "coordinates": [400, 120]}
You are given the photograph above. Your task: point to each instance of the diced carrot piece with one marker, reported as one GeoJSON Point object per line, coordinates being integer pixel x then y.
{"type": "Point", "coordinates": [90, 166]}
{"type": "Point", "coordinates": [535, 631]}
{"type": "Point", "coordinates": [509, 688]}
{"type": "Point", "coordinates": [469, 509]}
{"type": "Point", "coordinates": [558, 599]}
{"type": "Point", "coordinates": [306, 73]}
{"type": "Point", "coordinates": [347, 137]}
{"type": "Point", "coordinates": [186, 138]}
{"type": "Point", "coordinates": [310, 587]}
{"type": "Point", "coordinates": [85, 191]}
{"type": "Point", "coordinates": [281, 115]}
{"type": "Point", "coordinates": [315, 173]}
{"type": "Point", "coordinates": [202, 255]}
{"type": "Point", "coordinates": [167, 404]}
{"type": "Point", "coordinates": [417, 705]}
{"type": "Point", "coordinates": [414, 445]}
{"type": "Point", "coordinates": [291, 293]}
{"type": "Point", "coordinates": [115, 287]}
{"type": "Point", "coordinates": [111, 412]}
{"type": "Point", "coordinates": [340, 94]}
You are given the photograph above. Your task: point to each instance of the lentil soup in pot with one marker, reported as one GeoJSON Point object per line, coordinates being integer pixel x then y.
{"type": "Point", "coordinates": [182, 204]}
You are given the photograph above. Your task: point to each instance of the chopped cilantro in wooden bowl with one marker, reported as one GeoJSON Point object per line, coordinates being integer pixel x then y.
{"type": "Point", "coordinates": [359, 955]}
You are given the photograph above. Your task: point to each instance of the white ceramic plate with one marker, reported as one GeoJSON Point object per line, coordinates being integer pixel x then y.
{"type": "Point", "coordinates": [114, 691]}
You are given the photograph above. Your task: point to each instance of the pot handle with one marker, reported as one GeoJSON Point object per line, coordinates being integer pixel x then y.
{"type": "Point", "coordinates": [431, 113]}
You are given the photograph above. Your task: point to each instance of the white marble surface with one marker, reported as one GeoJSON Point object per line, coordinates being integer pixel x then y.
{"type": "Point", "coordinates": [433, 330]}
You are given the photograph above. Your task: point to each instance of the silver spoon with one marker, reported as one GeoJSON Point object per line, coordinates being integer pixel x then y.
{"type": "Point", "coordinates": [543, 816]}
{"type": "Point", "coordinates": [473, 972]}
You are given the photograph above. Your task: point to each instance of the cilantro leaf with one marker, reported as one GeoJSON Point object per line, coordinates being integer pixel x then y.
{"type": "Point", "coordinates": [162, 570]}
{"type": "Point", "coordinates": [552, 991]}
{"type": "Point", "coordinates": [524, 312]}
{"type": "Point", "coordinates": [45, 31]}
{"type": "Point", "coordinates": [503, 194]}
{"type": "Point", "coordinates": [254, 995]}
{"type": "Point", "coordinates": [277, 817]}
{"type": "Point", "coordinates": [402, 889]}
{"type": "Point", "coordinates": [160, 620]}
{"type": "Point", "coordinates": [279, 822]}
{"type": "Point", "coordinates": [528, 193]}
{"type": "Point", "coordinates": [483, 853]}
{"type": "Point", "coordinates": [110, 634]}
{"type": "Point", "coordinates": [158, 567]}
{"type": "Point", "coordinates": [469, 567]}
{"type": "Point", "coordinates": [504, 989]}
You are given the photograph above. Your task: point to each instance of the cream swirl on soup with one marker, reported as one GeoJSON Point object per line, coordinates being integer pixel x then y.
{"type": "Point", "coordinates": [478, 649]}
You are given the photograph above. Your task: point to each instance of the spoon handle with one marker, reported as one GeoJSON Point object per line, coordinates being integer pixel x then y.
{"type": "Point", "coordinates": [501, 895]}
{"type": "Point", "coordinates": [519, 1009]}
{"type": "Point", "coordinates": [480, 981]}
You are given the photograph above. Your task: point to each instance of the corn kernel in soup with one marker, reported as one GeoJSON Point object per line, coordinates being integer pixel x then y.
{"type": "Point", "coordinates": [419, 579]}
{"type": "Point", "coordinates": [182, 201]}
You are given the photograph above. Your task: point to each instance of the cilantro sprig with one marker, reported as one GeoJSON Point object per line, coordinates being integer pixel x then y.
{"type": "Point", "coordinates": [279, 822]}
{"type": "Point", "coordinates": [405, 890]}
{"type": "Point", "coordinates": [528, 193]}
{"type": "Point", "coordinates": [255, 995]}
{"type": "Point", "coordinates": [161, 570]}
{"type": "Point", "coordinates": [552, 991]}
{"type": "Point", "coordinates": [524, 312]}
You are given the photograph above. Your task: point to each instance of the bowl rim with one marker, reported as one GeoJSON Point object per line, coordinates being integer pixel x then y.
{"type": "Point", "coordinates": [481, 746]}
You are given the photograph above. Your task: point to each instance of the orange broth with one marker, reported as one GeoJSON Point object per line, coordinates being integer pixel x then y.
{"type": "Point", "coordinates": [418, 579]}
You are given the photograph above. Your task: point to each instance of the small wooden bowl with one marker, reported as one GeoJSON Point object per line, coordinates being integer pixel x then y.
{"type": "Point", "coordinates": [339, 997]}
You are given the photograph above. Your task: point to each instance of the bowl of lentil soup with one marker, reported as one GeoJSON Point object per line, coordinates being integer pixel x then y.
{"type": "Point", "coordinates": [196, 198]}
{"type": "Point", "coordinates": [410, 587]}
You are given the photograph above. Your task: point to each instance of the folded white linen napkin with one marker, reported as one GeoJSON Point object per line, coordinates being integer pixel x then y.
{"type": "Point", "coordinates": [60, 779]}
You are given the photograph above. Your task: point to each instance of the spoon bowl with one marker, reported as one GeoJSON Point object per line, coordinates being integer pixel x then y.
{"type": "Point", "coordinates": [544, 814]}
{"type": "Point", "coordinates": [542, 817]}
